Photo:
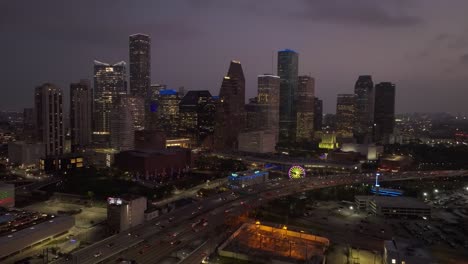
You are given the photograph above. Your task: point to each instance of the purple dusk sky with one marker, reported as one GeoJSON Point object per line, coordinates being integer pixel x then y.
{"type": "Point", "coordinates": [421, 45]}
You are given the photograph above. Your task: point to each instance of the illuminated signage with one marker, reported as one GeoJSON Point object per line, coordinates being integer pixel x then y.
{"type": "Point", "coordinates": [116, 201]}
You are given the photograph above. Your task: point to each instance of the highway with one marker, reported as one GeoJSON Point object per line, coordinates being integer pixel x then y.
{"type": "Point", "coordinates": [149, 243]}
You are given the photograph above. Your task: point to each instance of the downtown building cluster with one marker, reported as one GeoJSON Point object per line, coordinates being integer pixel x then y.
{"type": "Point", "coordinates": [114, 116]}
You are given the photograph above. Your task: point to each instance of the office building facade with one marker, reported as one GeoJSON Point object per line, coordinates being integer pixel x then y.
{"type": "Point", "coordinates": [81, 101]}
{"type": "Point", "coordinates": [230, 108]}
{"type": "Point", "coordinates": [197, 112]}
{"type": "Point", "coordinates": [364, 91]}
{"type": "Point", "coordinates": [318, 114]}
{"type": "Point", "coordinates": [140, 64]}
{"type": "Point", "coordinates": [345, 115]}
{"type": "Point", "coordinates": [288, 66]}
{"type": "Point", "coordinates": [305, 109]}
{"type": "Point", "coordinates": [269, 102]}
{"type": "Point", "coordinates": [48, 102]}
{"type": "Point", "coordinates": [384, 111]}
{"type": "Point", "coordinates": [109, 84]}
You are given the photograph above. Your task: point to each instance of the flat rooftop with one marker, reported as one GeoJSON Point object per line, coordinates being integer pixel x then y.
{"type": "Point", "coordinates": [402, 202]}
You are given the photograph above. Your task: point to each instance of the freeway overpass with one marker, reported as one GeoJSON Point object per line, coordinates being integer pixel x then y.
{"type": "Point", "coordinates": [158, 240]}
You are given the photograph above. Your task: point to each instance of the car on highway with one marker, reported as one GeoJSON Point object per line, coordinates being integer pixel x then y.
{"type": "Point", "coordinates": [175, 242]}
{"type": "Point", "coordinates": [97, 254]}
{"type": "Point", "coordinates": [110, 245]}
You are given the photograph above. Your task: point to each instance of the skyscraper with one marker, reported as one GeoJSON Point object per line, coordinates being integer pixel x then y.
{"type": "Point", "coordinates": [196, 111]}
{"type": "Point", "coordinates": [135, 104]}
{"type": "Point", "coordinates": [109, 83]}
{"type": "Point", "coordinates": [230, 109]}
{"type": "Point", "coordinates": [384, 111]}
{"type": "Point", "coordinates": [152, 105]}
{"type": "Point", "coordinates": [288, 72]}
{"type": "Point", "coordinates": [364, 91]}
{"type": "Point", "coordinates": [305, 109]}
{"type": "Point", "coordinates": [269, 102]}
{"type": "Point", "coordinates": [318, 114]}
{"type": "Point", "coordinates": [122, 136]}
{"type": "Point", "coordinates": [81, 100]}
{"type": "Point", "coordinates": [140, 64]}
{"type": "Point", "coordinates": [168, 112]}
{"type": "Point", "coordinates": [48, 103]}
{"type": "Point", "coordinates": [345, 114]}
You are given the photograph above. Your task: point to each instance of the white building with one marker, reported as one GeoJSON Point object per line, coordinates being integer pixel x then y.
{"type": "Point", "coordinates": [125, 212]}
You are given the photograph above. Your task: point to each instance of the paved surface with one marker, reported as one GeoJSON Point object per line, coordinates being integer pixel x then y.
{"type": "Point", "coordinates": [213, 209]}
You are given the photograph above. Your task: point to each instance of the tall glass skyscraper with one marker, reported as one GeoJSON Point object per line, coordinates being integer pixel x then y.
{"type": "Point", "coordinates": [230, 109]}
{"type": "Point", "coordinates": [81, 101]}
{"type": "Point", "coordinates": [288, 72]}
{"type": "Point", "coordinates": [140, 64]}
{"type": "Point", "coordinates": [345, 115]}
{"type": "Point", "coordinates": [305, 109]}
{"type": "Point", "coordinates": [384, 111]}
{"type": "Point", "coordinates": [109, 83]}
{"type": "Point", "coordinates": [364, 91]}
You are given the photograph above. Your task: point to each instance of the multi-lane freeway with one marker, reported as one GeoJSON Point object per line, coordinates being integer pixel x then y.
{"type": "Point", "coordinates": [167, 236]}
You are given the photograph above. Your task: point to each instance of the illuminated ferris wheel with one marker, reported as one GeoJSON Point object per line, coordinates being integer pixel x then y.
{"type": "Point", "coordinates": [296, 172]}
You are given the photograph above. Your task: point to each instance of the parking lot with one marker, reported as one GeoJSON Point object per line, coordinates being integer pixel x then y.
{"type": "Point", "coordinates": [87, 216]}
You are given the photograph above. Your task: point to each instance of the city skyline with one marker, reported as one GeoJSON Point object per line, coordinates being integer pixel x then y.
{"type": "Point", "coordinates": [434, 58]}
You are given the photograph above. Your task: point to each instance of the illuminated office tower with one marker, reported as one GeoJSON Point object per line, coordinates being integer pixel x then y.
{"type": "Point", "coordinates": [230, 108]}
{"type": "Point", "coordinates": [135, 104]}
{"type": "Point", "coordinates": [288, 72]}
{"type": "Point", "coordinates": [109, 84]}
{"type": "Point", "coordinates": [48, 103]}
{"type": "Point", "coordinates": [168, 112]}
{"type": "Point", "coordinates": [152, 106]}
{"type": "Point", "coordinates": [305, 109]}
{"type": "Point", "coordinates": [196, 114]}
{"type": "Point", "coordinates": [81, 100]}
{"type": "Point", "coordinates": [140, 64]}
{"type": "Point", "coordinates": [122, 136]}
{"type": "Point", "coordinates": [384, 111]}
{"type": "Point", "coordinates": [268, 102]}
{"type": "Point", "coordinates": [345, 114]}
{"type": "Point", "coordinates": [364, 91]}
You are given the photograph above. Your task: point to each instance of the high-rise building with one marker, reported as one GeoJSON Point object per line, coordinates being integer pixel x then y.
{"type": "Point", "coordinates": [48, 102]}
{"type": "Point", "coordinates": [288, 61]}
{"type": "Point", "coordinates": [122, 129]}
{"type": "Point", "coordinates": [140, 64]}
{"type": "Point", "coordinates": [318, 114]}
{"type": "Point", "coordinates": [230, 109]}
{"type": "Point", "coordinates": [28, 125]}
{"type": "Point", "coordinates": [168, 112]}
{"type": "Point", "coordinates": [384, 111]}
{"type": "Point", "coordinates": [269, 102]}
{"type": "Point", "coordinates": [109, 83]}
{"type": "Point", "coordinates": [81, 100]}
{"type": "Point", "coordinates": [305, 109]}
{"type": "Point", "coordinates": [364, 91]}
{"type": "Point", "coordinates": [135, 105]}
{"type": "Point", "coordinates": [197, 111]}
{"type": "Point", "coordinates": [152, 105]}
{"type": "Point", "coordinates": [345, 114]}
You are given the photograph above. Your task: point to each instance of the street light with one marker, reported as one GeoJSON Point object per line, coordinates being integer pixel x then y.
{"type": "Point", "coordinates": [425, 193]}
{"type": "Point", "coordinates": [436, 191]}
